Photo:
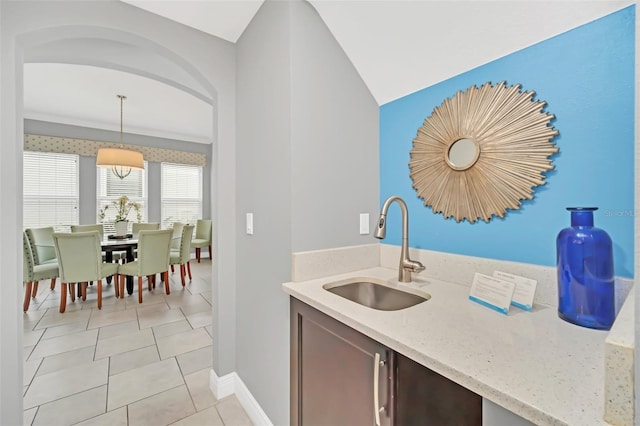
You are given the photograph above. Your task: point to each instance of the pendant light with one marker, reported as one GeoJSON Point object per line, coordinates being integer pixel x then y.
{"type": "Point", "coordinates": [120, 160]}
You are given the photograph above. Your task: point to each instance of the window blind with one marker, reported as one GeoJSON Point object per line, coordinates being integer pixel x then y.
{"type": "Point", "coordinates": [110, 188]}
{"type": "Point", "coordinates": [50, 190]}
{"type": "Point", "coordinates": [181, 194]}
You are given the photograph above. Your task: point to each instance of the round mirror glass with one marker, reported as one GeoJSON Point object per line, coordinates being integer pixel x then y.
{"type": "Point", "coordinates": [463, 153]}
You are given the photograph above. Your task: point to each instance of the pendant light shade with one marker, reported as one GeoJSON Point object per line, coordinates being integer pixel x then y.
{"type": "Point", "coordinates": [120, 160]}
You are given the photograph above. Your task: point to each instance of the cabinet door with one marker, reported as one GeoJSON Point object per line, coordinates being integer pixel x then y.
{"type": "Point", "coordinates": [333, 372]}
{"type": "Point", "coordinates": [424, 397]}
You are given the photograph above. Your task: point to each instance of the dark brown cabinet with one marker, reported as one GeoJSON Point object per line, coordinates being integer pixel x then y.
{"type": "Point", "coordinates": [424, 397]}
{"type": "Point", "coordinates": [338, 375]}
{"type": "Point", "coordinates": [341, 377]}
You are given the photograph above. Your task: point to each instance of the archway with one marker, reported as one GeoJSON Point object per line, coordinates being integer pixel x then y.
{"type": "Point", "coordinates": [28, 33]}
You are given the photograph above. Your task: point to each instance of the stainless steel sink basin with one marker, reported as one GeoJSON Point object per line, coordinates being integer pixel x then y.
{"type": "Point", "coordinates": [375, 295]}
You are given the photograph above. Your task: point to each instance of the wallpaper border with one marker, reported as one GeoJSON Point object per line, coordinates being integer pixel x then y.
{"type": "Point", "coordinates": [89, 148]}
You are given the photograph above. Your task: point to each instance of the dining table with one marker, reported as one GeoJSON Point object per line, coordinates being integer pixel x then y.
{"type": "Point", "coordinates": [127, 243]}
{"type": "Point", "coordinates": [111, 244]}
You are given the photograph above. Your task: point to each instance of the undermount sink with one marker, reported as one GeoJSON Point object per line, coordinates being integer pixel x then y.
{"type": "Point", "coordinates": [375, 295]}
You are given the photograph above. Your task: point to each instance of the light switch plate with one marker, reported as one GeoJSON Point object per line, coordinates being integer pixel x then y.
{"type": "Point", "coordinates": [249, 223]}
{"type": "Point", "coordinates": [364, 223]}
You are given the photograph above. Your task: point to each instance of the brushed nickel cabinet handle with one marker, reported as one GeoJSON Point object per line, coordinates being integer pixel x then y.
{"type": "Point", "coordinates": [376, 385]}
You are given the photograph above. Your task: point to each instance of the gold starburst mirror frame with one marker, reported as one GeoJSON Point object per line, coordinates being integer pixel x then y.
{"type": "Point", "coordinates": [482, 151]}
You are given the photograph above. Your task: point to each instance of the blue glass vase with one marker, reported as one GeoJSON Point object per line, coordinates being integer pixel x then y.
{"type": "Point", "coordinates": [586, 295]}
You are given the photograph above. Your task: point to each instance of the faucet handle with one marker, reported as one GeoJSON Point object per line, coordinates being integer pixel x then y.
{"type": "Point", "coordinates": [414, 265]}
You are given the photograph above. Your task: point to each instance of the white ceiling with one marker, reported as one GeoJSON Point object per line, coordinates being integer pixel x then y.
{"type": "Point", "coordinates": [398, 47]}
{"type": "Point", "coordinates": [68, 94]}
{"type": "Point", "coordinates": [226, 19]}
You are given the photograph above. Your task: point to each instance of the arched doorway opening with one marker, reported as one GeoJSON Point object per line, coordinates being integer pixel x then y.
{"type": "Point", "coordinates": [21, 40]}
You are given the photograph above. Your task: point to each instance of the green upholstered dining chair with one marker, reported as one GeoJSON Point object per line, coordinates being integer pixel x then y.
{"type": "Point", "coordinates": [116, 255]}
{"type": "Point", "coordinates": [181, 257]}
{"type": "Point", "coordinates": [137, 227]}
{"type": "Point", "coordinates": [154, 248]}
{"type": "Point", "coordinates": [80, 261]}
{"type": "Point", "coordinates": [177, 235]}
{"type": "Point", "coordinates": [86, 228]}
{"type": "Point", "coordinates": [32, 273]}
{"type": "Point", "coordinates": [203, 237]}
{"type": "Point", "coordinates": [41, 243]}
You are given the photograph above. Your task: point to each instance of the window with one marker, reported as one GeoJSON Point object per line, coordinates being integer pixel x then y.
{"type": "Point", "coordinates": [50, 190]}
{"type": "Point", "coordinates": [110, 188]}
{"type": "Point", "coordinates": [181, 194]}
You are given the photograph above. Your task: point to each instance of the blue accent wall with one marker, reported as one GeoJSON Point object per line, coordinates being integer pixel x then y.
{"type": "Point", "coordinates": [586, 76]}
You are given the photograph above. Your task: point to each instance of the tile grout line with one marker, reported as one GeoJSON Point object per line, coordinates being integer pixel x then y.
{"type": "Point", "coordinates": [92, 315]}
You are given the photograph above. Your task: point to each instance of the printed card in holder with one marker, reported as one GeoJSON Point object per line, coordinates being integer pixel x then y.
{"type": "Point", "coordinates": [492, 292]}
{"type": "Point", "coordinates": [524, 292]}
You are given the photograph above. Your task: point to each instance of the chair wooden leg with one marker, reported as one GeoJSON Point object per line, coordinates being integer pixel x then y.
{"type": "Point", "coordinates": [149, 283]}
{"type": "Point", "coordinates": [72, 291]}
{"type": "Point", "coordinates": [116, 285]}
{"type": "Point", "coordinates": [210, 255]}
{"type": "Point", "coordinates": [34, 289]}
{"type": "Point", "coordinates": [122, 278]}
{"type": "Point", "coordinates": [172, 270]}
{"type": "Point", "coordinates": [139, 289]}
{"type": "Point", "coordinates": [198, 254]}
{"type": "Point", "coordinates": [189, 269]}
{"type": "Point", "coordinates": [27, 296]}
{"type": "Point", "coordinates": [99, 294]}
{"type": "Point", "coordinates": [84, 286]}
{"type": "Point", "coordinates": [165, 274]}
{"type": "Point", "coordinates": [53, 283]}
{"type": "Point", "coordinates": [63, 297]}
{"type": "Point", "coordinates": [182, 271]}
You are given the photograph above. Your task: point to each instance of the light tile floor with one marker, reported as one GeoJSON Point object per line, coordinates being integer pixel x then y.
{"type": "Point", "coordinates": [126, 364]}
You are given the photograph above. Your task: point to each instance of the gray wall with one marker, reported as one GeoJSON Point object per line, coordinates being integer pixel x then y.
{"type": "Point", "coordinates": [334, 139]}
{"type": "Point", "coordinates": [306, 125]}
{"type": "Point", "coordinates": [87, 172]}
{"type": "Point", "coordinates": [11, 358]}
{"type": "Point", "coordinates": [264, 189]}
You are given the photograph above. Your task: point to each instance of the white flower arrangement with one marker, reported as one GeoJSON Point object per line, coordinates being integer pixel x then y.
{"type": "Point", "coordinates": [123, 207]}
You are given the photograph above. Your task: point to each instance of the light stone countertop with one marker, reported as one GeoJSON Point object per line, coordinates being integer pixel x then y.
{"type": "Point", "coordinates": [531, 363]}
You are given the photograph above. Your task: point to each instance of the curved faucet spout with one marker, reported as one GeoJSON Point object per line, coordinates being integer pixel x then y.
{"type": "Point", "coordinates": [406, 265]}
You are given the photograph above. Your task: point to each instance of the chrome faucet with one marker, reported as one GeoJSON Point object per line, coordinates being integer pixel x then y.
{"type": "Point", "coordinates": [406, 265]}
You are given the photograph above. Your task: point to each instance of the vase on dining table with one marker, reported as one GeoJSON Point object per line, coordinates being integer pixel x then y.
{"type": "Point", "coordinates": [121, 228]}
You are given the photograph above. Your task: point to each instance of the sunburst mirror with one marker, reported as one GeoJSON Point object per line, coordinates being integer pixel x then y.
{"type": "Point", "coordinates": [482, 152]}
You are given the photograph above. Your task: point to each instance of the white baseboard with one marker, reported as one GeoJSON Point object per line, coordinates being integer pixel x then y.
{"type": "Point", "coordinates": [221, 386]}
{"type": "Point", "coordinates": [250, 405]}
{"type": "Point", "coordinates": [232, 384]}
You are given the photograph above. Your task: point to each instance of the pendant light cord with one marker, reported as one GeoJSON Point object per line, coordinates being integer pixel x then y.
{"type": "Point", "coordinates": [122, 98]}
